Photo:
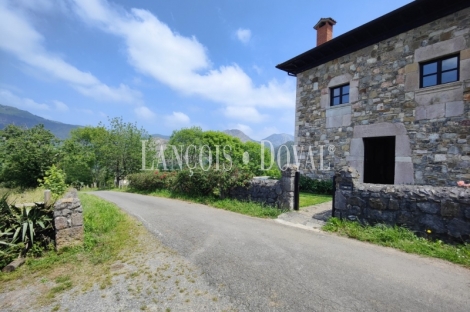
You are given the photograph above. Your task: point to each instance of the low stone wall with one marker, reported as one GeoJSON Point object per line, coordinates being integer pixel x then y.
{"type": "Point", "coordinates": [277, 193]}
{"type": "Point", "coordinates": [438, 212]}
{"type": "Point", "coordinates": [68, 221]}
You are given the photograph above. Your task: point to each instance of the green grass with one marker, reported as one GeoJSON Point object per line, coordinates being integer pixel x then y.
{"type": "Point", "coordinates": [402, 239]}
{"type": "Point", "coordinates": [108, 231]}
{"type": "Point", "coordinates": [248, 208]}
{"type": "Point", "coordinates": [309, 199]}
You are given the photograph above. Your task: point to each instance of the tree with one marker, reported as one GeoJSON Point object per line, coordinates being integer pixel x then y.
{"type": "Point", "coordinates": [83, 159]}
{"type": "Point", "coordinates": [104, 152]}
{"type": "Point", "coordinates": [229, 150]}
{"type": "Point", "coordinates": [122, 149]}
{"type": "Point", "coordinates": [26, 154]}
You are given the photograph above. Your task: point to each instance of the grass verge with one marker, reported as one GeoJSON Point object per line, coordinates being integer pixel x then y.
{"type": "Point", "coordinates": [400, 238]}
{"type": "Point", "coordinates": [309, 199]}
{"type": "Point", "coordinates": [248, 208]}
{"type": "Point", "coordinates": [108, 231]}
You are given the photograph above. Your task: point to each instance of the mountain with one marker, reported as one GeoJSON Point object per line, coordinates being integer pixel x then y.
{"type": "Point", "coordinates": [283, 153]}
{"type": "Point", "coordinates": [161, 136]}
{"type": "Point", "coordinates": [279, 139]}
{"type": "Point", "coordinates": [239, 134]}
{"type": "Point", "coordinates": [11, 115]}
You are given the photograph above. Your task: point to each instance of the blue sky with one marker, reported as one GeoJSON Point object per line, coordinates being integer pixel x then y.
{"type": "Point", "coordinates": [164, 64]}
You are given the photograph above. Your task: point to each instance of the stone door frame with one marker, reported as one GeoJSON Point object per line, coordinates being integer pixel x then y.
{"type": "Point", "coordinates": [404, 171]}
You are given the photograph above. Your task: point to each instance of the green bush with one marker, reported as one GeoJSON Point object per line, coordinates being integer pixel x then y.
{"type": "Point", "coordinates": [150, 181]}
{"type": "Point", "coordinates": [211, 182]}
{"type": "Point", "coordinates": [307, 184]}
{"type": "Point", "coordinates": [192, 182]}
{"type": "Point", "coordinates": [54, 180]}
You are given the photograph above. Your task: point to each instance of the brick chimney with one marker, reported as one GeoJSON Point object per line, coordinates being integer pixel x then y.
{"type": "Point", "coordinates": [324, 29]}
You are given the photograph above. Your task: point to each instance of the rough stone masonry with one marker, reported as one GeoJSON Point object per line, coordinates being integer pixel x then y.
{"type": "Point", "coordinates": [68, 221]}
{"type": "Point", "coordinates": [277, 193]}
{"type": "Point", "coordinates": [431, 125]}
{"type": "Point", "coordinates": [437, 212]}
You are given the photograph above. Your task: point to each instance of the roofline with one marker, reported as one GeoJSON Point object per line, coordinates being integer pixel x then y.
{"type": "Point", "coordinates": [403, 19]}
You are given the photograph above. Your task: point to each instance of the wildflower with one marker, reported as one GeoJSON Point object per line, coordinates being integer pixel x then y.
{"type": "Point", "coordinates": [428, 231]}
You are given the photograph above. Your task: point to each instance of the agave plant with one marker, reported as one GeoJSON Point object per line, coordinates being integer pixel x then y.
{"type": "Point", "coordinates": [27, 221]}
{"type": "Point", "coordinates": [24, 223]}
{"type": "Point", "coordinates": [4, 243]}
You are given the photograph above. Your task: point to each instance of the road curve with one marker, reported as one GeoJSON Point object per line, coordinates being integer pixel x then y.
{"type": "Point", "coordinates": [262, 265]}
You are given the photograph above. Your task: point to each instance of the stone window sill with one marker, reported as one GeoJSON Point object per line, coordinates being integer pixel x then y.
{"type": "Point", "coordinates": [338, 106]}
{"type": "Point", "coordinates": [440, 88]}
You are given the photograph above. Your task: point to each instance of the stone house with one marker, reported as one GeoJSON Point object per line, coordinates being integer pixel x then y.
{"type": "Point", "coordinates": [390, 98]}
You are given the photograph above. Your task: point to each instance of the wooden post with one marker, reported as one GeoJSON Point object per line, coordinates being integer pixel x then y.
{"type": "Point", "coordinates": [47, 198]}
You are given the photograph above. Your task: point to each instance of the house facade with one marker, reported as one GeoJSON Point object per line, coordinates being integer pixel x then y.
{"type": "Point", "coordinates": [390, 98]}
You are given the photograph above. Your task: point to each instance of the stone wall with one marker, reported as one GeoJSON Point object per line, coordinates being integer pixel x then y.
{"type": "Point", "coordinates": [431, 125]}
{"type": "Point", "coordinates": [438, 212]}
{"type": "Point", "coordinates": [277, 193]}
{"type": "Point", "coordinates": [68, 221]}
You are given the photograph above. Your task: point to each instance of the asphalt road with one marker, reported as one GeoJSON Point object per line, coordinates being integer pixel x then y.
{"type": "Point", "coordinates": [261, 265]}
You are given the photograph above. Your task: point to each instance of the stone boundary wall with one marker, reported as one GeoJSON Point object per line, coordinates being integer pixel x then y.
{"type": "Point", "coordinates": [277, 193]}
{"type": "Point", "coordinates": [437, 212]}
{"type": "Point", "coordinates": [68, 221]}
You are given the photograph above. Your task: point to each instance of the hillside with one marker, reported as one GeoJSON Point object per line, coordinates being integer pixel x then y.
{"type": "Point", "coordinates": [239, 134]}
{"type": "Point", "coordinates": [11, 115]}
{"type": "Point", "coordinates": [279, 139]}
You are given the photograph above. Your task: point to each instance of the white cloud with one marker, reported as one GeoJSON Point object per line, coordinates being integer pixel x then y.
{"type": "Point", "coordinates": [181, 62]}
{"type": "Point", "coordinates": [60, 106]}
{"type": "Point", "coordinates": [144, 112]}
{"type": "Point", "coordinates": [244, 35]}
{"type": "Point", "coordinates": [250, 114]}
{"type": "Point", "coordinates": [177, 119]}
{"type": "Point", "coordinates": [243, 128]}
{"type": "Point", "coordinates": [21, 39]}
{"type": "Point", "coordinates": [10, 99]}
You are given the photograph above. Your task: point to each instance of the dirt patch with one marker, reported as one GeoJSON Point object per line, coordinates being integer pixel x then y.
{"type": "Point", "coordinates": [148, 277]}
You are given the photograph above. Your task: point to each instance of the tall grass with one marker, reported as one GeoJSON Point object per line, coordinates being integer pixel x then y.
{"type": "Point", "coordinates": [400, 238]}
{"type": "Point", "coordinates": [253, 209]}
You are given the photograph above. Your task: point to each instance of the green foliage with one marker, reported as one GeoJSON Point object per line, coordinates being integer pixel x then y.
{"type": "Point", "coordinates": [151, 180]}
{"type": "Point", "coordinates": [227, 149]}
{"type": "Point", "coordinates": [54, 180]}
{"type": "Point", "coordinates": [400, 238]}
{"type": "Point", "coordinates": [25, 155]}
{"type": "Point", "coordinates": [195, 182]}
{"type": "Point", "coordinates": [24, 228]}
{"type": "Point", "coordinates": [211, 182]}
{"type": "Point", "coordinates": [253, 209]}
{"type": "Point", "coordinates": [104, 153]}
{"type": "Point", "coordinates": [307, 184]}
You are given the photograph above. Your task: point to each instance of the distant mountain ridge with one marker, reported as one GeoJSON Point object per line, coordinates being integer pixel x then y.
{"type": "Point", "coordinates": [279, 139]}
{"type": "Point", "coordinates": [12, 115]}
{"type": "Point", "coordinates": [275, 139]}
{"type": "Point", "coordinates": [239, 134]}
{"type": "Point", "coordinates": [161, 136]}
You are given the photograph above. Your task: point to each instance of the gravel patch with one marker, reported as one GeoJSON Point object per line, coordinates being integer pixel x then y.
{"type": "Point", "coordinates": [150, 278]}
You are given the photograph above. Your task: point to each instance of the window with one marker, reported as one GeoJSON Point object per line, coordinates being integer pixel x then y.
{"type": "Point", "coordinates": [440, 71]}
{"type": "Point", "coordinates": [339, 95]}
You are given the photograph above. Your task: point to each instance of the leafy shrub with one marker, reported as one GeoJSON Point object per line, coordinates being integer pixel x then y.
{"type": "Point", "coordinates": [212, 182]}
{"type": "Point", "coordinates": [307, 184]}
{"type": "Point", "coordinates": [54, 180]}
{"type": "Point", "coordinates": [193, 182]}
{"type": "Point", "coordinates": [150, 181]}
{"type": "Point", "coordinates": [23, 229]}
